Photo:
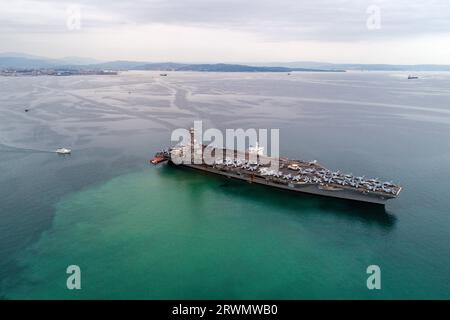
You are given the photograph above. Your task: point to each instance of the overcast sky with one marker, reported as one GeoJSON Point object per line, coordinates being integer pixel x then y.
{"type": "Point", "coordinates": [357, 31]}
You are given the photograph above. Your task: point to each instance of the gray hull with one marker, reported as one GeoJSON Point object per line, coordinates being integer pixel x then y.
{"type": "Point", "coordinates": [315, 189]}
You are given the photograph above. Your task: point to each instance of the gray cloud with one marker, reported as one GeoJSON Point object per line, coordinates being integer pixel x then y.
{"type": "Point", "coordinates": [331, 20]}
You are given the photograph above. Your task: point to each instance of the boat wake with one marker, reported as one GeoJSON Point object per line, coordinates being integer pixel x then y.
{"type": "Point", "coordinates": [4, 147]}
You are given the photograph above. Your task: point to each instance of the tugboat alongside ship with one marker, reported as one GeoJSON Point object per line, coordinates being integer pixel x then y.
{"type": "Point", "coordinates": [294, 175]}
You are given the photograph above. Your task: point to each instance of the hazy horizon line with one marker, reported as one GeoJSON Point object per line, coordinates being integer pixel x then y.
{"type": "Point", "coordinates": [28, 55]}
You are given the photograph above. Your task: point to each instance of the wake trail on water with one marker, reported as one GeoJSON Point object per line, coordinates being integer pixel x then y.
{"type": "Point", "coordinates": [10, 148]}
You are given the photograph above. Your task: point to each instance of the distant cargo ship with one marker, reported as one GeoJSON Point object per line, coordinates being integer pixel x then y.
{"type": "Point", "coordinates": [410, 77]}
{"type": "Point", "coordinates": [295, 175]}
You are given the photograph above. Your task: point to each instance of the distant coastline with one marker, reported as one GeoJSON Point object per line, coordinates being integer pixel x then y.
{"type": "Point", "coordinates": [19, 64]}
{"type": "Point", "coordinates": [10, 66]}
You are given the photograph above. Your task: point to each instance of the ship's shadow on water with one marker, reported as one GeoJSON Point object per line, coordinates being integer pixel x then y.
{"type": "Point", "coordinates": [288, 201]}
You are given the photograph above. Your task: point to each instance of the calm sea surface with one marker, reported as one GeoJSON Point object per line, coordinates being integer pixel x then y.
{"type": "Point", "coordinates": [139, 231]}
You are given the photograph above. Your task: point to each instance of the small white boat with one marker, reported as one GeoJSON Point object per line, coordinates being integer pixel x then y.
{"type": "Point", "coordinates": [63, 151]}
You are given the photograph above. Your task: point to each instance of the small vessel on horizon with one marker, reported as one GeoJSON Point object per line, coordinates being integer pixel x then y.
{"type": "Point", "coordinates": [410, 77]}
{"type": "Point", "coordinates": [63, 151]}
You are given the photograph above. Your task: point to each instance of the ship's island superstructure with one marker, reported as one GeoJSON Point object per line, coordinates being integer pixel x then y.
{"type": "Point", "coordinates": [295, 175]}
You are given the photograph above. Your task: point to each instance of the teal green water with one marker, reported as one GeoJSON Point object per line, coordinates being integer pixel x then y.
{"type": "Point", "coordinates": [161, 234]}
{"type": "Point", "coordinates": [169, 233]}
{"type": "Point", "coordinates": [145, 232]}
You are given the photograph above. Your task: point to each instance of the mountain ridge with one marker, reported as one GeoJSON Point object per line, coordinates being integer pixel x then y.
{"type": "Point", "coordinates": [17, 60]}
{"type": "Point", "coordinates": [31, 62]}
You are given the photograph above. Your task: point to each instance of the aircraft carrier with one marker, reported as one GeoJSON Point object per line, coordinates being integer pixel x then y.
{"type": "Point", "coordinates": [294, 175]}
